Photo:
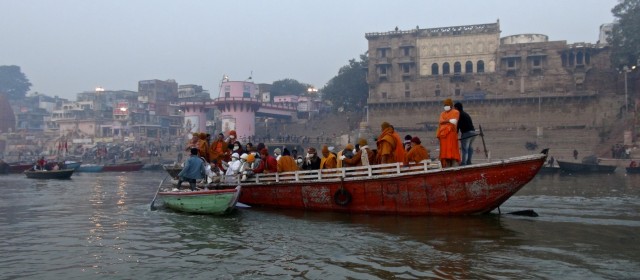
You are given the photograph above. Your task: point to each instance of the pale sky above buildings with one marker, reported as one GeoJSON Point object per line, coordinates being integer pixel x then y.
{"type": "Point", "coordinates": [69, 46]}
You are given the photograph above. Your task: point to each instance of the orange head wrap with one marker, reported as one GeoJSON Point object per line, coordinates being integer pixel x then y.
{"type": "Point", "coordinates": [448, 102]}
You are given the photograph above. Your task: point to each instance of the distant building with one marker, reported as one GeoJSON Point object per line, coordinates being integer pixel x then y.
{"type": "Point", "coordinates": [411, 72]}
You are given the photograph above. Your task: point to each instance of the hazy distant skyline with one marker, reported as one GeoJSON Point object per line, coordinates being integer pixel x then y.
{"type": "Point", "coordinates": [65, 47]}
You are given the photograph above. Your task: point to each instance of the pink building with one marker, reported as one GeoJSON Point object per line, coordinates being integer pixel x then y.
{"type": "Point", "coordinates": [238, 103]}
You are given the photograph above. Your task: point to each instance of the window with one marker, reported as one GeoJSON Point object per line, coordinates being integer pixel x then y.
{"type": "Point", "coordinates": [227, 94]}
{"type": "Point", "coordinates": [457, 92]}
{"type": "Point", "coordinates": [468, 67]}
{"type": "Point", "coordinates": [434, 69]}
{"type": "Point", "coordinates": [457, 67]}
{"type": "Point", "coordinates": [406, 51]}
{"type": "Point", "coordinates": [406, 68]}
{"type": "Point", "coordinates": [437, 92]}
{"type": "Point", "coordinates": [407, 94]}
{"type": "Point", "coordinates": [511, 63]}
{"type": "Point", "coordinates": [384, 95]}
{"type": "Point", "coordinates": [382, 52]}
{"type": "Point", "coordinates": [536, 62]}
{"type": "Point", "coordinates": [480, 66]}
{"type": "Point", "coordinates": [445, 68]}
{"type": "Point", "coordinates": [383, 70]}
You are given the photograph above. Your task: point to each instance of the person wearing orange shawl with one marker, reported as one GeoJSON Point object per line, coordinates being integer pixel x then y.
{"type": "Point", "coordinates": [286, 162]}
{"type": "Point", "coordinates": [328, 160]}
{"type": "Point", "coordinates": [218, 148]}
{"type": "Point", "coordinates": [386, 144]}
{"type": "Point", "coordinates": [447, 133]}
{"type": "Point", "coordinates": [399, 151]}
{"type": "Point", "coordinates": [203, 146]}
{"type": "Point", "coordinates": [417, 153]}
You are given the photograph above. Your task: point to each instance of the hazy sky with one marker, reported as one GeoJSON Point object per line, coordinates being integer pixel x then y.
{"type": "Point", "coordinates": [65, 47]}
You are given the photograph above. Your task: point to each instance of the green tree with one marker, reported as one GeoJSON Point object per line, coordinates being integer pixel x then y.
{"type": "Point", "coordinates": [349, 88]}
{"type": "Point", "coordinates": [13, 82]}
{"type": "Point", "coordinates": [288, 87]}
{"type": "Point", "coordinates": [625, 37]}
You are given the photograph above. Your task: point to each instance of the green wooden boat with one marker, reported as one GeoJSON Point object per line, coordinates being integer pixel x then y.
{"type": "Point", "coordinates": [215, 202]}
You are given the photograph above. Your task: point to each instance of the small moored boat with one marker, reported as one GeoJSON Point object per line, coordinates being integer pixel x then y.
{"type": "Point", "coordinates": [123, 167]}
{"type": "Point", "coordinates": [633, 170]}
{"type": "Point", "coordinates": [19, 167]}
{"type": "Point", "coordinates": [90, 168]}
{"type": "Point", "coordinates": [575, 167]}
{"type": "Point", "coordinates": [215, 202]}
{"type": "Point", "coordinates": [49, 174]}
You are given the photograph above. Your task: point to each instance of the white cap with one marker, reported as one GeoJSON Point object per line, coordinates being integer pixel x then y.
{"type": "Point", "coordinates": [244, 156]}
{"type": "Point", "coordinates": [235, 155]}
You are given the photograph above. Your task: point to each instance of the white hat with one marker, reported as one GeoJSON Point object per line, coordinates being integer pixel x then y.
{"type": "Point", "coordinates": [244, 156]}
{"type": "Point", "coordinates": [277, 151]}
{"type": "Point", "coordinates": [235, 155]}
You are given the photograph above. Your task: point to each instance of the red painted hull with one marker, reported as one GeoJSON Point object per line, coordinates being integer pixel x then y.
{"type": "Point", "coordinates": [466, 190]}
{"type": "Point", "coordinates": [122, 167]}
{"type": "Point", "coordinates": [19, 168]}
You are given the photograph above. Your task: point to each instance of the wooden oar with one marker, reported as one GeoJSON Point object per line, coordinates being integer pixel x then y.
{"type": "Point", "coordinates": [486, 155]}
{"type": "Point", "coordinates": [155, 196]}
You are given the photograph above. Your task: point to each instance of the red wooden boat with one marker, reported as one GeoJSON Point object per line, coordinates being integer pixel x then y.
{"type": "Point", "coordinates": [123, 167]}
{"type": "Point", "coordinates": [19, 167]}
{"type": "Point", "coordinates": [422, 189]}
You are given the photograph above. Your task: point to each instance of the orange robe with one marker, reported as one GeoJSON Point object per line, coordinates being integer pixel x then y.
{"type": "Point", "coordinates": [386, 146]}
{"type": "Point", "coordinates": [203, 149]}
{"type": "Point", "coordinates": [417, 154]}
{"type": "Point", "coordinates": [328, 162]}
{"type": "Point", "coordinates": [448, 136]}
{"type": "Point", "coordinates": [400, 152]}
{"type": "Point", "coordinates": [217, 150]}
{"type": "Point", "coordinates": [287, 163]}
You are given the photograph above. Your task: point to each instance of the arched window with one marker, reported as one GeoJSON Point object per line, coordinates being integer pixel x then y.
{"type": "Point", "coordinates": [457, 67]}
{"type": "Point", "coordinates": [468, 67]}
{"type": "Point", "coordinates": [587, 58]}
{"type": "Point", "coordinates": [480, 66]}
{"type": "Point", "coordinates": [572, 59]}
{"type": "Point", "coordinates": [434, 69]}
{"type": "Point", "coordinates": [579, 58]}
{"type": "Point", "coordinates": [445, 68]}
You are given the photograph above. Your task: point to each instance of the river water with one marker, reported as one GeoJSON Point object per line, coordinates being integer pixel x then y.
{"type": "Point", "coordinates": [99, 226]}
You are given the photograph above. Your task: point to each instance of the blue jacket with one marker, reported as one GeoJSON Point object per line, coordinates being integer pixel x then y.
{"type": "Point", "coordinates": [193, 168]}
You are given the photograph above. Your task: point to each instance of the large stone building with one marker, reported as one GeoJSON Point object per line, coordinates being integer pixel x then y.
{"type": "Point", "coordinates": [522, 81]}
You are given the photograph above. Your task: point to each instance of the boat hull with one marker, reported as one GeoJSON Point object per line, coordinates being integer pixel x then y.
{"type": "Point", "coordinates": [53, 174]}
{"type": "Point", "coordinates": [574, 167]}
{"type": "Point", "coordinates": [122, 167]}
{"type": "Point", "coordinates": [466, 190]}
{"type": "Point", "coordinates": [90, 168]}
{"type": "Point", "coordinates": [214, 202]}
{"type": "Point", "coordinates": [19, 168]}
{"type": "Point", "coordinates": [72, 164]}
{"type": "Point", "coordinates": [633, 170]}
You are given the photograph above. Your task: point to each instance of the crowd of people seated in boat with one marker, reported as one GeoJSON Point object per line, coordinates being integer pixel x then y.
{"type": "Point", "coordinates": [43, 165]}
{"type": "Point", "coordinates": [227, 157]}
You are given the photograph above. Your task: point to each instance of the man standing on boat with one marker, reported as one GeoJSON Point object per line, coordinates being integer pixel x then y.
{"type": "Point", "coordinates": [386, 144]}
{"type": "Point", "coordinates": [447, 133]}
{"type": "Point", "coordinates": [193, 170]}
{"type": "Point", "coordinates": [467, 134]}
